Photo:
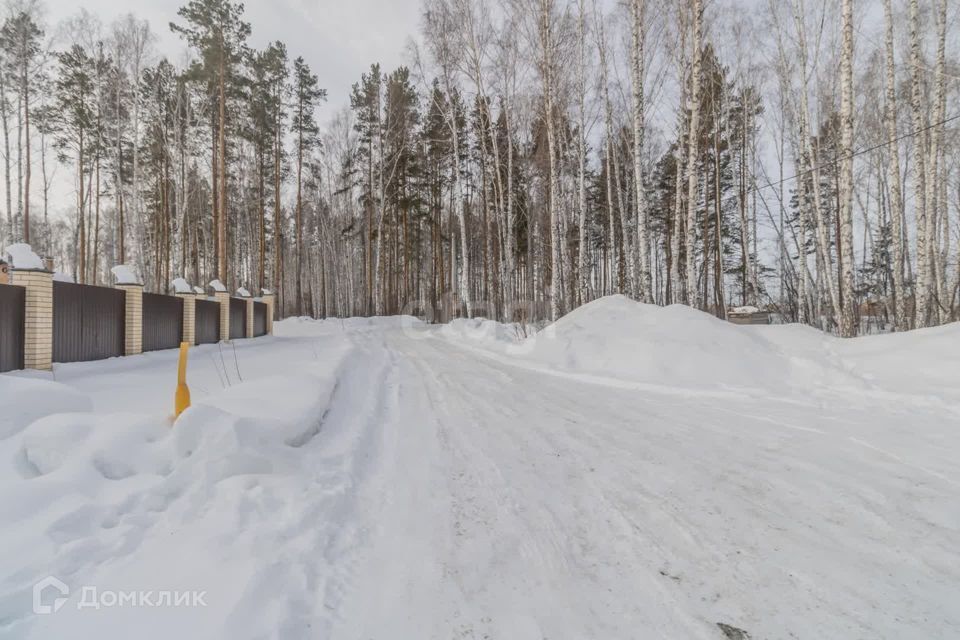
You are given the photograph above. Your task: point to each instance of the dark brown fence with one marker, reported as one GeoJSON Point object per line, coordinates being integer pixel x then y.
{"type": "Point", "coordinates": [88, 322]}
{"type": "Point", "coordinates": [259, 319]}
{"type": "Point", "coordinates": [238, 318]}
{"type": "Point", "coordinates": [162, 322]}
{"type": "Point", "coordinates": [11, 327]}
{"type": "Point", "coordinates": [207, 321]}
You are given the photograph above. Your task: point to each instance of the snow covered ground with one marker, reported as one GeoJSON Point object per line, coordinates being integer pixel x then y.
{"type": "Point", "coordinates": [629, 472]}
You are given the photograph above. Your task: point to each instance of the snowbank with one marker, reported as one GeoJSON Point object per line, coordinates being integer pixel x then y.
{"type": "Point", "coordinates": [26, 399]}
{"type": "Point", "coordinates": [82, 490]}
{"type": "Point", "coordinates": [677, 346]}
{"type": "Point", "coordinates": [502, 338]}
{"type": "Point", "coordinates": [23, 257]}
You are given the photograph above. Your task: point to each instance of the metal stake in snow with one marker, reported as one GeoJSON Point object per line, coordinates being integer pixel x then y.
{"type": "Point", "coordinates": [181, 399]}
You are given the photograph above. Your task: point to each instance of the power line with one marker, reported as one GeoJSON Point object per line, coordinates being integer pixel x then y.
{"type": "Point", "coordinates": [857, 153]}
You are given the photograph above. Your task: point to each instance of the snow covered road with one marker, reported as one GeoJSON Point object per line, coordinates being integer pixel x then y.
{"type": "Point", "coordinates": [384, 480]}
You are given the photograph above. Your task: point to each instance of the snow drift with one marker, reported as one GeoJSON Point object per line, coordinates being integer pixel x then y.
{"type": "Point", "coordinates": [96, 483]}
{"type": "Point", "coordinates": [677, 346]}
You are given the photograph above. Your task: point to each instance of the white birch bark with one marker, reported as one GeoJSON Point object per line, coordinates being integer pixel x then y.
{"type": "Point", "coordinates": [546, 64]}
{"type": "Point", "coordinates": [692, 153]}
{"type": "Point", "coordinates": [582, 154]}
{"type": "Point", "coordinates": [921, 288]}
{"type": "Point", "coordinates": [901, 321]}
{"type": "Point", "coordinates": [936, 206]}
{"type": "Point", "coordinates": [809, 164]}
{"type": "Point", "coordinates": [848, 313]}
{"type": "Point", "coordinates": [642, 249]}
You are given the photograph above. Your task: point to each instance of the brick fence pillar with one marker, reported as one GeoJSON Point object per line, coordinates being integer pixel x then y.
{"type": "Point", "coordinates": [270, 300]}
{"type": "Point", "coordinates": [133, 318]}
{"type": "Point", "coordinates": [223, 298]}
{"type": "Point", "coordinates": [189, 317]}
{"type": "Point", "coordinates": [37, 317]}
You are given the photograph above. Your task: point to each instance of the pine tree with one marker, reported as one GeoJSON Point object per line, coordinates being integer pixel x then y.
{"type": "Point", "coordinates": [306, 97]}
{"type": "Point", "coordinates": [216, 30]}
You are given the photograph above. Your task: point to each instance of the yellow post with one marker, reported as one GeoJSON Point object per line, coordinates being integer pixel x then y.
{"type": "Point", "coordinates": [182, 398]}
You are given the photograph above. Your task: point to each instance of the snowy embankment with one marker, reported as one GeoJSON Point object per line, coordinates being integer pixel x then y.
{"type": "Point", "coordinates": [678, 349]}
{"type": "Point", "coordinates": [627, 472]}
{"type": "Point", "coordinates": [96, 488]}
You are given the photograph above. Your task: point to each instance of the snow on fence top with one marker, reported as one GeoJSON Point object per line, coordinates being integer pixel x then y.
{"type": "Point", "coordinates": [745, 310]}
{"type": "Point", "coordinates": [125, 274]}
{"type": "Point", "coordinates": [243, 293]}
{"type": "Point", "coordinates": [181, 286]}
{"type": "Point", "coordinates": [266, 292]}
{"type": "Point", "coordinates": [217, 286]}
{"type": "Point", "coordinates": [198, 290]}
{"type": "Point", "coordinates": [59, 276]}
{"type": "Point", "coordinates": [23, 257]}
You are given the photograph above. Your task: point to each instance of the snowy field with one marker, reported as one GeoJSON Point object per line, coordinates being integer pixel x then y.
{"type": "Point", "coordinates": [629, 472]}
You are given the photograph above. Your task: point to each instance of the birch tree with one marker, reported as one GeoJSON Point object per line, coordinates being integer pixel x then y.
{"type": "Point", "coordinates": [848, 314]}
{"type": "Point", "coordinates": [637, 9]}
{"type": "Point", "coordinates": [897, 224]}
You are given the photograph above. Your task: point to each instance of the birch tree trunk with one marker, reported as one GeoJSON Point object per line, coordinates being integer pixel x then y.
{"type": "Point", "coordinates": [546, 63]}
{"type": "Point", "coordinates": [900, 319]}
{"type": "Point", "coordinates": [848, 327]}
{"type": "Point", "coordinates": [921, 289]}
{"type": "Point", "coordinates": [937, 207]}
{"type": "Point", "coordinates": [809, 164]}
{"type": "Point", "coordinates": [642, 252]}
{"type": "Point", "coordinates": [693, 152]}
{"type": "Point", "coordinates": [582, 157]}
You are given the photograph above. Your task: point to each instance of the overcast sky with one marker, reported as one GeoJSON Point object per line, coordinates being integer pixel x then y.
{"type": "Point", "coordinates": [338, 38]}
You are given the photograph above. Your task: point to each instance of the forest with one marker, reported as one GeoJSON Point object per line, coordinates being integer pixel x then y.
{"type": "Point", "coordinates": [528, 156]}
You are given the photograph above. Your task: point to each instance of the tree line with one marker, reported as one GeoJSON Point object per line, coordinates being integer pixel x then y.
{"type": "Point", "coordinates": [529, 156]}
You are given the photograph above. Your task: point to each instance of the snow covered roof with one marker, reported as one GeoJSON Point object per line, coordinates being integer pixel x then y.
{"type": "Point", "coordinates": [125, 274]}
{"type": "Point", "coordinates": [23, 257]}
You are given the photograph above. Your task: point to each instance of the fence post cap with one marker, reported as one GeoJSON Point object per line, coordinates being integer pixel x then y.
{"type": "Point", "coordinates": [180, 285]}
{"type": "Point", "coordinates": [23, 258]}
{"type": "Point", "coordinates": [125, 275]}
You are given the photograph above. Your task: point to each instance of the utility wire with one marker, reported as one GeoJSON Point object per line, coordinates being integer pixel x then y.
{"type": "Point", "coordinates": [855, 154]}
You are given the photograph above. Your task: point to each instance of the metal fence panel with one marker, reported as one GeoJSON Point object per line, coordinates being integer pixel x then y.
{"type": "Point", "coordinates": [11, 327]}
{"type": "Point", "coordinates": [88, 322]}
{"type": "Point", "coordinates": [259, 319]}
{"type": "Point", "coordinates": [238, 318]}
{"type": "Point", "coordinates": [162, 322]}
{"type": "Point", "coordinates": [207, 321]}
